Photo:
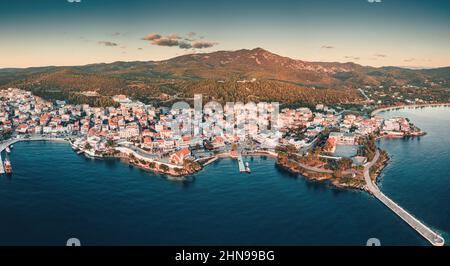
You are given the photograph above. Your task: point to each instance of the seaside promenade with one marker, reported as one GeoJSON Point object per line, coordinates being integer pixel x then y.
{"type": "Point", "coordinates": [432, 237]}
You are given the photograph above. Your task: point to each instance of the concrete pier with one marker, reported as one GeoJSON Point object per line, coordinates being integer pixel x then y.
{"type": "Point", "coordinates": [434, 238]}
{"type": "Point", "coordinates": [2, 169]}
{"type": "Point", "coordinates": [241, 164]}
{"type": "Point", "coordinates": [3, 146]}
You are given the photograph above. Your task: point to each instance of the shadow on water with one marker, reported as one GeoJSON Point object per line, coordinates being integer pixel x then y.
{"type": "Point", "coordinates": [262, 158]}
{"type": "Point", "coordinates": [314, 185]}
{"type": "Point", "coordinates": [111, 162]}
{"type": "Point", "coordinates": [8, 177]}
{"type": "Point", "coordinates": [184, 182]}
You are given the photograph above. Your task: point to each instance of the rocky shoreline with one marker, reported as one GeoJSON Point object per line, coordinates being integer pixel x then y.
{"type": "Point", "coordinates": [345, 182]}
{"type": "Point", "coordinates": [379, 166]}
{"type": "Point", "coordinates": [179, 172]}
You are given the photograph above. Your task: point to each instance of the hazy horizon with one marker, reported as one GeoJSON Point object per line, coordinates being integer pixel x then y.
{"type": "Point", "coordinates": [400, 33]}
{"type": "Point", "coordinates": [111, 62]}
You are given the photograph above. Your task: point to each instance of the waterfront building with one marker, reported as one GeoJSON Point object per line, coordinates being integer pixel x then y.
{"type": "Point", "coordinates": [178, 157]}
{"type": "Point", "coordinates": [343, 138]}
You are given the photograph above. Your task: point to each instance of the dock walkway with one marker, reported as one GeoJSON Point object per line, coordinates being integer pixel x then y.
{"type": "Point", "coordinates": [3, 146]}
{"type": "Point", "coordinates": [241, 163]}
{"type": "Point", "coordinates": [432, 237]}
{"type": "Point", "coordinates": [2, 169]}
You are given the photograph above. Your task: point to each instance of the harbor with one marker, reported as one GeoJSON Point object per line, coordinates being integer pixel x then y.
{"type": "Point", "coordinates": [5, 146]}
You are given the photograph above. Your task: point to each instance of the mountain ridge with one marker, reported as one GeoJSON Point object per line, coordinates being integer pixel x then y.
{"type": "Point", "coordinates": [180, 76]}
{"type": "Point", "coordinates": [220, 51]}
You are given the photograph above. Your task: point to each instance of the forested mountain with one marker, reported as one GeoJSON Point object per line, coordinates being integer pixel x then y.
{"type": "Point", "coordinates": [243, 75]}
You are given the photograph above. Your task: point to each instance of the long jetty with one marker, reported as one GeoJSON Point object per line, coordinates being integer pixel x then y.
{"type": "Point", "coordinates": [434, 238]}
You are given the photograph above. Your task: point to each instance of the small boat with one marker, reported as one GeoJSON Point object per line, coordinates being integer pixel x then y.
{"type": "Point", "coordinates": [247, 167]}
{"type": "Point", "coordinates": [80, 152]}
{"type": "Point", "coordinates": [8, 150]}
{"type": "Point", "coordinates": [8, 167]}
{"type": "Point", "coordinates": [74, 146]}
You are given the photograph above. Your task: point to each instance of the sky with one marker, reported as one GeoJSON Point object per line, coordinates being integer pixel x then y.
{"type": "Point", "coordinates": [414, 33]}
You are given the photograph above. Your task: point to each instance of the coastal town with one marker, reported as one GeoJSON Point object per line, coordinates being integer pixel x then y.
{"type": "Point", "coordinates": [321, 144]}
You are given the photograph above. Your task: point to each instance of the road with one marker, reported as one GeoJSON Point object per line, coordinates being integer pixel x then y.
{"type": "Point", "coordinates": [369, 184]}
{"type": "Point", "coordinates": [140, 152]}
{"type": "Point", "coordinates": [318, 170]}
{"type": "Point", "coordinates": [364, 94]}
{"type": "Point", "coordinates": [313, 169]}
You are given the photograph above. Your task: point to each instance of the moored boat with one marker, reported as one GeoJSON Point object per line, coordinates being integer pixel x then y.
{"type": "Point", "coordinates": [8, 167]}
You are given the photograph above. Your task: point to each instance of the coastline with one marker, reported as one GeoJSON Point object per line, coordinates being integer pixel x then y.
{"type": "Point", "coordinates": [131, 157]}
{"type": "Point", "coordinates": [301, 181]}
{"type": "Point", "coordinates": [10, 142]}
{"type": "Point", "coordinates": [378, 166]}
{"type": "Point", "coordinates": [180, 172]}
{"type": "Point", "coordinates": [324, 175]}
{"type": "Point", "coordinates": [406, 106]}
{"type": "Point", "coordinates": [310, 175]}
{"type": "Point", "coordinates": [137, 162]}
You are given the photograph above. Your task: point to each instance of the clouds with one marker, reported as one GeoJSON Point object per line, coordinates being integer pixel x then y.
{"type": "Point", "coordinates": [189, 41]}
{"type": "Point", "coordinates": [175, 40]}
{"type": "Point", "coordinates": [327, 47]}
{"type": "Point", "coordinates": [165, 41]}
{"type": "Point", "coordinates": [108, 43]}
{"type": "Point", "coordinates": [185, 45]}
{"type": "Point", "coordinates": [191, 34]}
{"type": "Point", "coordinates": [173, 36]}
{"type": "Point", "coordinates": [380, 55]}
{"type": "Point", "coordinates": [202, 44]}
{"type": "Point", "coordinates": [152, 37]}
{"type": "Point", "coordinates": [352, 57]}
